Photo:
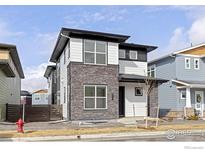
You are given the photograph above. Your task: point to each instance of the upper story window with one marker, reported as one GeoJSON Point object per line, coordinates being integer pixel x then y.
{"type": "Point", "coordinates": [152, 71]}
{"type": "Point", "coordinates": [95, 52]}
{"type": "Point", "coordinates": [187, 63]}
{"type": "Point", "coordinates": [196, 64]}
{"type": "Point", "coordinates": [133, 54]}
{"type": "Point", "coordinates": [122, 53]}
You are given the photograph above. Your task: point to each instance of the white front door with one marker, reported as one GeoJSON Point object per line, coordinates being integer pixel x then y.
{"type": "Point", "coordinates": [199, 102]}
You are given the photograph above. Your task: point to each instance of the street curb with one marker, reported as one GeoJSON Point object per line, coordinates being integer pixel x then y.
{"type": "Point", "coordinates": [93, 136]}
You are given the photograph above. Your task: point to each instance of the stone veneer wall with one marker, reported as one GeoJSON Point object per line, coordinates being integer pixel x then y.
{"type": "Point", "coordinates": [79, 75]}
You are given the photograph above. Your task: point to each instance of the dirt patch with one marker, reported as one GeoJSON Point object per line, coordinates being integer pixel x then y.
{"type": "Point", "coordinates": [80, 131]}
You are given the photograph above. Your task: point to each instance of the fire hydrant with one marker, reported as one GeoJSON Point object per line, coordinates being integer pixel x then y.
{"type": "Point", "coordinates": [20, 125]}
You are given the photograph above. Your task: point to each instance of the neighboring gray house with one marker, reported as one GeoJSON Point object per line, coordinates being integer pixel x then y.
{"type": "Point", "coordinates": [100, 76]}
{"type": "Point", "coordinates": [50, 74]}
{"type": "Point", "coordinates": [11, 73]}
{"type": "Point", "coordinates": [185, 70]}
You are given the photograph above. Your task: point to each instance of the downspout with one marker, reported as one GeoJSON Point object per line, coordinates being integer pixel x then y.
{"type": "Point", "coordinates": [68, 100]}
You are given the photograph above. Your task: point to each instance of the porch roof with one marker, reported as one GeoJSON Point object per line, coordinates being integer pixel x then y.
{"type": "Point", "coordinates": [191, 84]}
{"type": "Point", "coordinates": [138, 78]}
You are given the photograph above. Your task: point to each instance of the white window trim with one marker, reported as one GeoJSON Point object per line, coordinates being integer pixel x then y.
{"type": "Point", "coordinates": [149, 70]}
{"type": "Point", "coordinates": [196, 59]}
{"type": "Point", "coordinates": [136, 54]}
{"type": "Point", "coordinates": [181, 94]}
{"type": "Point", "coordinates": [95, 97]}
{"type": "Point", "coordinates": [105, 53]}
{"type": "Point", "coordinates": [186, 63]}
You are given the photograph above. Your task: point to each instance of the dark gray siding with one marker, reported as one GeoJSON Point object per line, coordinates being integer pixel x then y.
{"type": "Point", "coordinates": [141, 55]}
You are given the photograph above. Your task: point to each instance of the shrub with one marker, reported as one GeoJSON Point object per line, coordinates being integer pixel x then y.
{"type": "Point", "coordinates": [193, 117]}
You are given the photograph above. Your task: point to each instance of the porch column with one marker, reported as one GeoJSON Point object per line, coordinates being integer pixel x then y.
{"type": "Point", "coordinates": [188, 98]}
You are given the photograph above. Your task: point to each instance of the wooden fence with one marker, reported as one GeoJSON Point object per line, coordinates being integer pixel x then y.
{"type": "Point", "coordinates": [33, 113]}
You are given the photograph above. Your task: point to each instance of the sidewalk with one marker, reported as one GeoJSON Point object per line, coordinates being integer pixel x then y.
{"type": "Point", "coordinates": [83, 137]}
{"type": "Point", "coordinates": [105, 137]}
{"type": "Point", "coordinates": [83, 131]}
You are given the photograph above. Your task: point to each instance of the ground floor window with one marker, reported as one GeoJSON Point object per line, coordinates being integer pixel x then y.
{"type": "Point", "coordinates": [183, 94]}
{"type": "Point", "coordinates": [95, 96]}
{"type": "Point", "coordinates": [138, 91]}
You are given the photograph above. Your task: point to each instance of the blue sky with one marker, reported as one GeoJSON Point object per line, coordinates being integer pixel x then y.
{"type": "Point", "coordinates": [34, 29]}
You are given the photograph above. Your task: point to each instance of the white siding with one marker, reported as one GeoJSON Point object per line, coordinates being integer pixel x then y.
{"type": "Point", "coordinates": [63, 83]}
{"type": "Point", "coordinates": [113, 53]}
{"type": "Point", "coordinates": [133, 67]}
{"type": "Point", "coordinates": [76, 50]}
{"type": "Point", "coordinates": [134, 105]}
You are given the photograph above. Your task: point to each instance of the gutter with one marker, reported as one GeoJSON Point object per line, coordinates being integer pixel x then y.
{"type": "Point", "coordinates": [66, 36]}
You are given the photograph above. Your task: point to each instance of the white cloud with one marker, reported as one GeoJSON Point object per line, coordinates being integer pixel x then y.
{"type": "Point", "coordinates": [184, 37]}
{"type": "Point", "coordinates": [109, 14]}
{"type": "Point", "coordinates": [34, 79]}
{"type": "Point", "coordinates": [197, 31]}
{"type": "Point", "coordinates": [6, 32]}
{"type": "Point", "coordinates": [178, 40]}
{"type": "Point", "coordinates": [44, 42]}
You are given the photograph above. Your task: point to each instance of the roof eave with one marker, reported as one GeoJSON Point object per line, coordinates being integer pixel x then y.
{"type": "Point", "coordinates": [60, 43]}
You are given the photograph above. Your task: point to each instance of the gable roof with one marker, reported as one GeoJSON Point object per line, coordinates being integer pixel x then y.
{"type": "Point", "coordinates": [15, 57]}
{"type": "Point", "coordinates": [180, 52]}
{"type": "Point", "coordinates": [41, 91]}
{"type": "Point", "coordinates": [191, 84]}
{"type": "Point", "coordinates": [65, 33]}
{"type": "Point", "coordinates": [134, 46]}
{"type": "Point", "coordinates": [49, 69]}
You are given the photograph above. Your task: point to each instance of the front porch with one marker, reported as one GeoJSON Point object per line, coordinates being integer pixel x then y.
{"type": "Point", "coordinates": [192, 96]}
{"type": "Point", "coordinates": [138, 95]}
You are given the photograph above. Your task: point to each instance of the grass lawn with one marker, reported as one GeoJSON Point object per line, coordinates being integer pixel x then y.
{"type": "Point", "coordinates": [64, 132]}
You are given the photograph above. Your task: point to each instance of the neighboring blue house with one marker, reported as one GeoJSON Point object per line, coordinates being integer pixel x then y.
{"type": "Point", "coordinates": [185, 70]}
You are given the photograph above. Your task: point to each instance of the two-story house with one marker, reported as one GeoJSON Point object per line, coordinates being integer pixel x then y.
{"type": "Point", "coordinates": [50, 75]}
{"type": "Point", "coordinates": [185, 70]}
{"type": "Point", "coordinates": [11, 73]}
{"type": "Point", "coordinates": [100, 76]}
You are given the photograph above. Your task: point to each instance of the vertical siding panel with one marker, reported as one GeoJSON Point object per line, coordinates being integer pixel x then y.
{"type": "Point", "coordinates": [113, 57]}
{"type": "Point", "coordinates": [76, 50]}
